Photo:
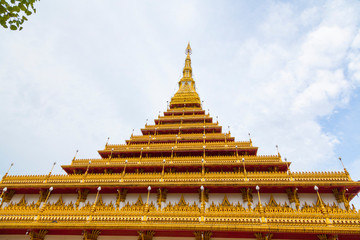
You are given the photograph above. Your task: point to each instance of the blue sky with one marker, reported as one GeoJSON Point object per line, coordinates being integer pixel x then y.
{"type": "Point", "coordinates": [287, 72]}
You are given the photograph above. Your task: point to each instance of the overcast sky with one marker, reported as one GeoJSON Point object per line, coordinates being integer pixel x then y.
{"type": "Point", "coordinates": [82, 71]}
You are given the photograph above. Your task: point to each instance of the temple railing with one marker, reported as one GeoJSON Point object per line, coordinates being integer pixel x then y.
{"type": "Point", "coordinates": [183, 125]}
{"type": "Point", "coordinates": [179, 160]}
{"type": "Point", "coordinates": [215, 143]}
{"type": "Point", "coordinates": [179, 117]}
{"type": "Point", "coordinates": [182, 145]}
{"type": "Point", "coordinates": [184, 136]}
{"type": "Point", "coordinates": [181, 177]}
{"type": "Point", "coordinates": [307, 217]}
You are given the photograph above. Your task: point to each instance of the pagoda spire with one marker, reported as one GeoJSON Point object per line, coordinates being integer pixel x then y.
{"type": "Point", "coordinates": [186, 96]}
{"type": "Point", "coordinates": [187, 71]}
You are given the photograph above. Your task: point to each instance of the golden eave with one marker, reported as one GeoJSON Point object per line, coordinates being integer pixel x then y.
{"type": "Point", "coordinates": [188, 110]}
{"type": "Point", "coordinates": [183, 125]}
{"type": "Point", "coordinates": [181, 146]}
{"type": "Point", "coordinates": [192, 117]}
{"type": "Point", "coordinates": [259, 159]}
{"type": "Point", "coordinates": [184, 179]}
{"type": "Point", "coordinates": [208, 136]}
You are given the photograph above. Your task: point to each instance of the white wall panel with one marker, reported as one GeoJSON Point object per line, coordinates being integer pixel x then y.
{"type": "Point", "coordinates": [328, 198]}
{"type": "Point", "coordinates": [309, 198]}
{"type": "Point", "coordinates": [67, 198]}
{"type": "Point", "coordinates": [32, 198]}
{"type": "Point", "coordinates": [107, 198]}
{"type": "Point", "coordinates": [16, 198]}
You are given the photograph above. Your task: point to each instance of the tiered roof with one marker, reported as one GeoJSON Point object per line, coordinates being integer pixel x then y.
{"type": "Point", "coordinates": [185, 151]}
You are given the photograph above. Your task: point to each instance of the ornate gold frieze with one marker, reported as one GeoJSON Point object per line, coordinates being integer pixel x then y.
{"type": "Point", "coordinates": [138, 208]}
{"type": "Point", "coordinates": [183, 207]}
{"type": "Point", "coordinates": [225, 212]}
{"type": "Point", "coordinates": [225, 208]}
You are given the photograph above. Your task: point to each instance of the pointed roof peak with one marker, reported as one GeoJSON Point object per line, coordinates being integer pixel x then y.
{"type": "Point", "coordinates": [188, 50]}
{"type": "Point", "coordinates": [186, 93]}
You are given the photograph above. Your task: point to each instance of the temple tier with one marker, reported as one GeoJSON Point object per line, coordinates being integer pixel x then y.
{"type": "Point", "coordinates": [184, 178]}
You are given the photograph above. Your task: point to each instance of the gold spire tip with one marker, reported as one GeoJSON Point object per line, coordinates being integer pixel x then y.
{"type": "Point", "coordinates": [188, 49]}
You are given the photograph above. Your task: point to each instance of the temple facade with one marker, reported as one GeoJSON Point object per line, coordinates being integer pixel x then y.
{"type": "Point", "coordinates": [182, 178]}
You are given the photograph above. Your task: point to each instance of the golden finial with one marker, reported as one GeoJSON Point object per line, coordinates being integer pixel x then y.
{"type": "Point", "coordinates": [75, 154]}
{"type": "Point", "coordinates": [277, 148]}
{"type": "Point", "coordinates": [188, 49]}
{"type": "Point", "coordinates": [345, 170]}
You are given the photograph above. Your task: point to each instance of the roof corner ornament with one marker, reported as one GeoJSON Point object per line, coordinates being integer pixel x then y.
{"type": "Point", "coordinates": [345, 170]}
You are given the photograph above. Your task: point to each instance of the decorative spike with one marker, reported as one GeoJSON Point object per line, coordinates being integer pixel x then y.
{"type": "Point", "coordinates": [76, 154]}
{"type": "Point", "coordinates": [188, 49]}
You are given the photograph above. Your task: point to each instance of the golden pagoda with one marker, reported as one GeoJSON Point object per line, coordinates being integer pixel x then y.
{"type": "Point", "coordinates": [183, 178]}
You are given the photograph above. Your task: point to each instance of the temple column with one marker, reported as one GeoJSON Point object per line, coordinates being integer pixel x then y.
{"type": "Point", "coordinates": [202, 235]}
{"type": "Point", "coordinates": [42, 196]}
{"type": "Point", "coordinates": [293, 198]}
{"type": "Point", "coordinates": [40, 235]}
{"type": "Point", "coordinates": [82, 195]}
{"type": "Point", "coordinates": [327, 237]}
{"type": "Point", "coordinates": [93, 235]}
{"type": "Point", "coordinates": [247, 196]}
{"type": "Point", "coordinates": [146, 235]}
{"type": "Point", "coordinates": [121, 197]}
{"type": "Point", "coordinates": [161, 196]}
{"type": "Point", "coordinates": [263, 236]}
{"type": "Point", "coordinates": [341, 199]}
{"type": "Point", "coordinates": [203, 199]}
